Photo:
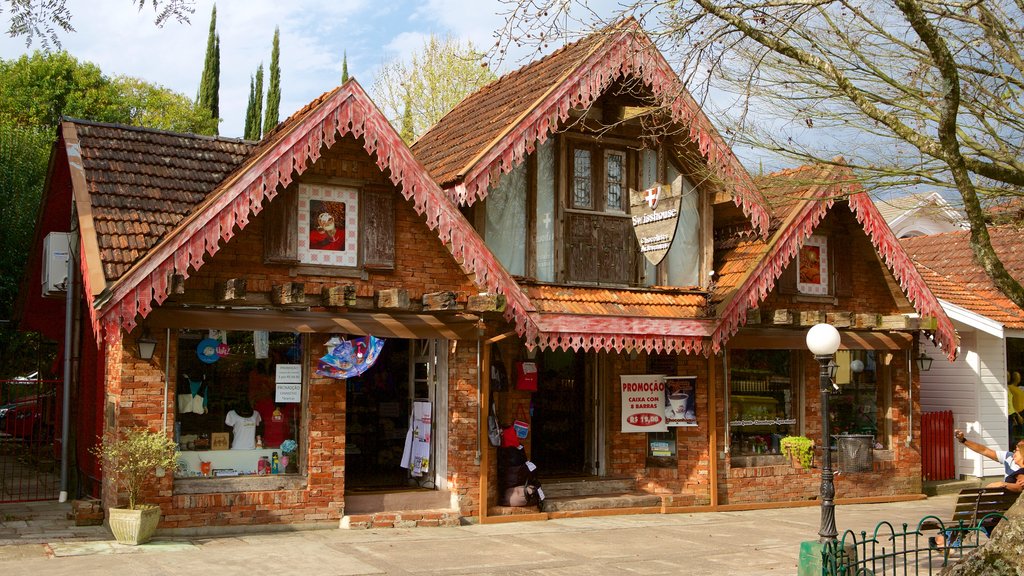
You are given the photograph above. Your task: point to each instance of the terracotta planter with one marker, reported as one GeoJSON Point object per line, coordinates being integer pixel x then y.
{"type": "Point", "coordinates": [133, 527]}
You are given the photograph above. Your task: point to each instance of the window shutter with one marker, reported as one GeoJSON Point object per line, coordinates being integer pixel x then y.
{"type": "Point", "coordinates": [787, 282]}
{"type": "Point", "coordinates": [281, 235]}
{"type": "Point", "coordinates": [378, 224]}
{"type": "Point", "coordinates": [842, 265]}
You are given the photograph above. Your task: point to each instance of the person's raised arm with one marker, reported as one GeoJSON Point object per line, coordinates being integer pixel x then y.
{"type": "Point", "coordinates": [974, 446]}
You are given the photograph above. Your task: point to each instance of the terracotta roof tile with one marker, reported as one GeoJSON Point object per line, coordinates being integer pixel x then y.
{"type": "Point", "coordinates": [947, 263]}
{"type": "Point", "coordinates": [659, 303]}
{"type": "Point", "coordinates": [481, 117]}
{"type": "Point", "coordinates": [143, 182]}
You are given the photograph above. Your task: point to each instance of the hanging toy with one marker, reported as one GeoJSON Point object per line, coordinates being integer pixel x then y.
{"type": "Point", "coordinates": [350, 357]}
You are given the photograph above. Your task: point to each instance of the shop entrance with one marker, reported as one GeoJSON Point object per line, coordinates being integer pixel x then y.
{"type": "Point", "coordinates": [565, 426]}
{"type": "Point", "coordinates": [408, 377]}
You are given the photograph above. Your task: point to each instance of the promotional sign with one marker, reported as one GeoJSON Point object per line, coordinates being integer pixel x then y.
{"type": "Point", "coordinates": [655, 213]}
{"type": "Point", "coordinates": [288, 383]}
{"type": "Point", "coordinates": [680, 396]}
{"type": "Point", "coordinates": [643, 403]}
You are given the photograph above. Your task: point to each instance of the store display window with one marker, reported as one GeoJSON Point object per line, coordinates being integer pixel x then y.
{"type": "Point", "coordinates": [762, 401]}
{"type": "Point", "coordinates": [861, 403]}
{"type": "Point", "coordinates": [238, 399]}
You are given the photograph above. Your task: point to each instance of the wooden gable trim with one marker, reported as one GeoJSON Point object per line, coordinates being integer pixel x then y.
{"type": "Point", "coordinates": [761, 279]}
{"type": "Point", "coordinates": [897, 260]}
{"type": "Point", "coordinates": [621, 333]}
{"type": "Point", "coordinates": [347, 110]}
{"type": "Point", "coordinates": [629, 52]}
{"type": "Point", "coordinates": [94, 280]}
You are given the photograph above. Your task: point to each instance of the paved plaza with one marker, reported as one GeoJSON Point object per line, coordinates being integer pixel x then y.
{"type": "Point", "coordinates": [748, 542]}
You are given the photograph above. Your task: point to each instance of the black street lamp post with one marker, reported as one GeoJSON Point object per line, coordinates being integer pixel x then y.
{"type": "Point", "coordinates": [823, 341]}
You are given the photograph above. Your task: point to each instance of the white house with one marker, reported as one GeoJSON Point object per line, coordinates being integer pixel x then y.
{"type": "Point", "coordinates": [920, 215]}
{"type": "Point", "coordinates": [991, 329]}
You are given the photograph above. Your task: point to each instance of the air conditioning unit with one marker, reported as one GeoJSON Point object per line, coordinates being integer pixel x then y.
{"type": "Point", "coordinates": [56, 253]}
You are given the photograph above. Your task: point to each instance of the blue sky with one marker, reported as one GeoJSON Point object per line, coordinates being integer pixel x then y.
{"type": "Point", "coordinates": [314, 34]}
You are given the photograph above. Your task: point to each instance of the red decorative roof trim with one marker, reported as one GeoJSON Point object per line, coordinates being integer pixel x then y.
{"type": "Point", "coordinates": [610, 334]}
{"type": "Point", "coordinates": [903, 269]}
{"type": "Point", "coordinates": [630, 52]}
{"type": "Point", "coordinates": [347, 110]}
{"type": "Point", "coordinates": [782, 250]}
{"type": "Point", "coordinates": [761, 280]}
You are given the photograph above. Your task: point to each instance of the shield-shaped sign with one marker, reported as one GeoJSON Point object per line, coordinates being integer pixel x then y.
{"type": "Point", "coordinates": [655, 212]}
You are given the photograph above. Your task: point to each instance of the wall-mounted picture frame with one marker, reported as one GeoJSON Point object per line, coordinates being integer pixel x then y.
{"type": "Point", "coordinates": [812, 267]}
{"type": "Point", "coordinates": [328, 225]}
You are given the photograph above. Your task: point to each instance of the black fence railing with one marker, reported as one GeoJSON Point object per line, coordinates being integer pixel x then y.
{"type": "Point", "coordinates": [29, 451]}
{"type": "Point", "coordinates": [906, 551]}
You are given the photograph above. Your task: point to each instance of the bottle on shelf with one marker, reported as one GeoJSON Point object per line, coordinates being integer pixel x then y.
{"type": "Point", "coordinates": [275, 463]}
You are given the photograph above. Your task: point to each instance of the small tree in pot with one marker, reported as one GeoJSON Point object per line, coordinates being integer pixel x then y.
{"type": "Point", "coordinates": [132, 457]}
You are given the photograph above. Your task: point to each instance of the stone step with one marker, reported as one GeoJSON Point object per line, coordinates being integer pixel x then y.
{"type": "Point", "coordinates": [601, 502]}
{"type": "Point", "coordinates": [406, 519]}
{"type": "Point", "coordinates": [587, 486]}
{"type": "Point", "coordinates": [944, 487]}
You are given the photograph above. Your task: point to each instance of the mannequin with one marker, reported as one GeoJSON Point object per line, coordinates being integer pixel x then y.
{"type": "Point", "coordinates": [243, 421]}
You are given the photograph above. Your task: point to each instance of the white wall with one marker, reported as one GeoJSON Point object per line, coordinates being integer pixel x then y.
{"type": "Point", "coordinates": [974, 388]}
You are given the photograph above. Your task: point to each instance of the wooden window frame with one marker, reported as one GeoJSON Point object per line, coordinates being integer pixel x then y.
{"type": "Point", "coordinates": [599, 153]}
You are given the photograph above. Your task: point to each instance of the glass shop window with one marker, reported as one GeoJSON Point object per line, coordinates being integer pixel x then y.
{"type": "Point", "coordinates": [762, 401]}
{"type": "Point", "coordinates": [238, 402]}
{"type": "Point", "coordinates": [862, 403]}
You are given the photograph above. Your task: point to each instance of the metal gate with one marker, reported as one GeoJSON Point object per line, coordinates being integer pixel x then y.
{"type": "Point", "coordinates": [29, 451]}
{"type": "Point", "coordinates": [938, 458]}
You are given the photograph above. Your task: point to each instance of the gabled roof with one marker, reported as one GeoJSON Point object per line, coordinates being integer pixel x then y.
{"type": "Point", "coordinates": [296, 144]}
{"type": "Point", "coordinates": [953, 275]}
{"type": "Point", "coordinates": [495, 128]}
{"type": "Point", "coordinates": [800, 199]}
{"type": "Point", "coordinates": [142, 183]}
{"type": "Point", "coordinates": [931, 209]}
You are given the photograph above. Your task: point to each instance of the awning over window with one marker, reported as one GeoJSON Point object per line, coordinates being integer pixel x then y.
{"type": "Point", "coordinates": [795, 339]}
{"type": "Point", "coordinates": [387, 325]}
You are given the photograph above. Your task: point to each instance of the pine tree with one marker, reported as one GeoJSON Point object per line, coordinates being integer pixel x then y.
{"type": "Point", "coordinates": [344, 67]}
{"type": "Point", "coordinates": [273, 86]}
{"type": "Point", "coordinates": [257, 112]}
{"type": "Point", "coordinates": [209, 84]}
{"type": "Point", "coordinates": [254, 110]}
{"type": "Point", "coordinates": [247, 131]}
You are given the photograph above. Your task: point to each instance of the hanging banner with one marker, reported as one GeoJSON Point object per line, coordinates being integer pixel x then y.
{"type": "Point", "coordinates": [643, 403]}
{"type": "Point", "coordinates": [350, 357]}
{"type": "Point", "coordinates": [416, 455]}
{"type": "Point", "coordinates": [680, 396]}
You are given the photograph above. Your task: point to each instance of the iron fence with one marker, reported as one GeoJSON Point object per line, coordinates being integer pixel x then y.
{"type": "Point", "coordinates": [907, 551]}
{"type": "Point", "coordinates": [29, 451]}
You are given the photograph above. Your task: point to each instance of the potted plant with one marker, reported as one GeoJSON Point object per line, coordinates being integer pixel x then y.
{"type": "Point", "coordinates": [133, 457]}
{"type": "Point", "coordinates": [800, 450]}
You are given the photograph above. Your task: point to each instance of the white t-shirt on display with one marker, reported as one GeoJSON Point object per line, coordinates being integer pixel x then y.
{"type": "Point", "coordinates": [244, 430]}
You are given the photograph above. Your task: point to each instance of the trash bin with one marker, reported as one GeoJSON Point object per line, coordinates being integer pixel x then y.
{"type": "Point", "coordinates": [855, 452]}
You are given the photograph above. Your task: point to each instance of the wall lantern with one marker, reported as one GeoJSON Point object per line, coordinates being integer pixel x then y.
{"type": "Point", "coordinates": [924, 362]}
{"type": "Point", "coordinates": [146, 345]}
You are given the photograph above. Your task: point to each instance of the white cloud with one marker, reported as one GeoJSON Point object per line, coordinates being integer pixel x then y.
{"type": "Point", "coordinates": [314, 34]}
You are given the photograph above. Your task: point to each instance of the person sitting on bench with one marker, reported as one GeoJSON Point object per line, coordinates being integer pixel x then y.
{"type": "Point", "coordinates": [1013, 477]}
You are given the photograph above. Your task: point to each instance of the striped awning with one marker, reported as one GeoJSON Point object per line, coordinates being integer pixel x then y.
{"type": "Point", "coordinates": [388, 325]}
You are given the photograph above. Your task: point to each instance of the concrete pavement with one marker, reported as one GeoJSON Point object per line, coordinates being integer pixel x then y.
{"type": "Point", "coordinates": [749, 542]}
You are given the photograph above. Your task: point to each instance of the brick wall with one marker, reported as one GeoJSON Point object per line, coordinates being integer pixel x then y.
{"type": "Point", "coordinates": [896, 471]}
{"type": "Point", "coordinates": [135, 389]}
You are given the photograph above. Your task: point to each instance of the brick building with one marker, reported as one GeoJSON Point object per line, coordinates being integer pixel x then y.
{"type": "Point", "coordinates": [497, 261]}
